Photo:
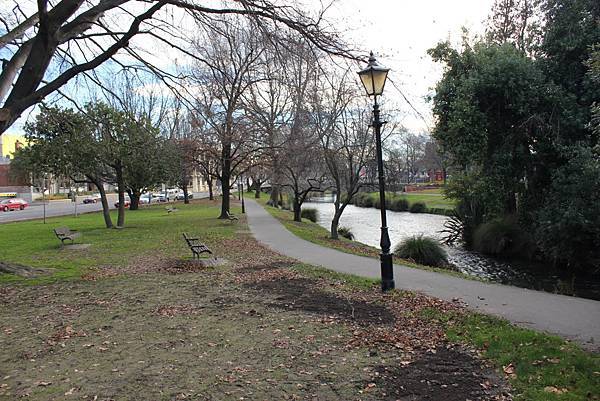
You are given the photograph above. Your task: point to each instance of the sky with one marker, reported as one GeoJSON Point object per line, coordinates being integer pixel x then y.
{"type": "Point", "coordinates": [400, 32]}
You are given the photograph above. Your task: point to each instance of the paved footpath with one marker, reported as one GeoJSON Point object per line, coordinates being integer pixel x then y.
{"type": "Point", "coordinates": [577, 319]}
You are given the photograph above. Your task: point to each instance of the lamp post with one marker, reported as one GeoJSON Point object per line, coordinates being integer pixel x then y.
{"type": "Point", "coordinates": [243, 206]}
{"type": "Point", "coordinates": [373, 79]}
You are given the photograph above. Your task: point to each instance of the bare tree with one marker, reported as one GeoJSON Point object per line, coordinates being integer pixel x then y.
{"type": "Point", "coordinates": [267, 106]}
{"type": "Point", "coordinates": [232, 65]}
{"type": "Point", "coordinates": [342, 120]}
{"type": "Point", "coordinates": [61, 41]}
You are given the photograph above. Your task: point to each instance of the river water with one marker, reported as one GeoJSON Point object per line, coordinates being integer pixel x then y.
{"type": "Point", "coordinates": [365, 225]}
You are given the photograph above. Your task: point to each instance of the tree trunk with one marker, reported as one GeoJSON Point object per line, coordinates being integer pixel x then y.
{"type": "Point", "coordinates": [274, 199]}
{"type": "Point", "coordinates": [121, 191]}
{"type": "Point", "coordinates": [186, 198]}
{"type": "Point", "coordinates": [335, 222]}
{"type": "Point", "coordinates": [226, 191]}
{"type": "Point", "coordinates": [257, 193]}
{"type": "Point", "coordinates": [297, 210]}
{"type": "Point", "coordinates": [211, 195]}
{"type": "Point", "coordinates": [104, 201]}
{"type": "Point", "coordinates": [248, 187]}
{"type": "Point", "coordinates": [225, 180]}
{"type": "Point", "coordinates": [134, 197]}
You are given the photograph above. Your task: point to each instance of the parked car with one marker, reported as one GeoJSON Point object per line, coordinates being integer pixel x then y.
{"type": "Point", "coordinates": [13, 204]}
{"type": "Point", "coordinates": [162, 197]}
{"type": "Point", "coordinates": [127, 203]}
{"type": "Point", "coordinates": [95, 198]}
{"type": "Point", "coordinates": [180, 196]}
{"type": "Point", "coordinates": [150, 198]}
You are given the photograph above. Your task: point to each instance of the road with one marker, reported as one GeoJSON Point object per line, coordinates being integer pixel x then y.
{"type": "Point", "coordinates": [61, 208]}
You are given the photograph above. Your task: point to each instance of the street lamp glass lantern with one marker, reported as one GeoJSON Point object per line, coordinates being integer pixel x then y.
{"type": "Point", "coordinates": [373, 77]}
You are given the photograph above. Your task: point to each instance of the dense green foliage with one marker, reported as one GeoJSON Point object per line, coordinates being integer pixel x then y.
{"type": "Point", "coordinates": [568, 223]}
{"type": "Point", "coordinates": [310, 213]}
{"type": "Point", "coordinates": [423, 250]}
{"type": "Point", "coordinates": [517, 124]}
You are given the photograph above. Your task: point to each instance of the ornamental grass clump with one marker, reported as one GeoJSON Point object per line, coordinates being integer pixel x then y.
{"type": "Point", "coordinates": [310, 213]}
{"type": "Point", "coordinates": [502, 237]}
{"type": "Point", "coordinates": [423, 250]}
{"type": "Point", "coordinates": [346, 233]}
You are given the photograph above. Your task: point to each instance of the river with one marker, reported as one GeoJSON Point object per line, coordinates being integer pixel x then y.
{"type": "Point", "coordinates": [365, 225]}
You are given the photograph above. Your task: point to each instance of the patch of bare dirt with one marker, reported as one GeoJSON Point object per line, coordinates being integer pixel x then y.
{"type": "Point", "coordinates": [151, 264]}
{"type": "Point", "coordinates": [446, 373]}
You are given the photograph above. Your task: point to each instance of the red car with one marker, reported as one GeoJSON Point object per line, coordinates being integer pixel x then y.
{"type": "Point", "coordinates": [126, 203]}
{"type": "Point", "coordinates": [13, 204]}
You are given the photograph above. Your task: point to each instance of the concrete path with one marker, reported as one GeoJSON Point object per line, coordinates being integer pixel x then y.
{"type": "Point", "coordinates": [577, 319]}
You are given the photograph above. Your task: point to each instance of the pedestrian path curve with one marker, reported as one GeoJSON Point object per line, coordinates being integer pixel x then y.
{"type": "Point", "coordinates": [573, 318]}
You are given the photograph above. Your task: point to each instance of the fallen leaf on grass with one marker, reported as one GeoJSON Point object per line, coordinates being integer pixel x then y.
{"type": "Point", "coordinates": [509, 370]}
{"type": "Point", "coordinates": [555, 390]}
{"type": "Point", "coordinates": [71, 391]}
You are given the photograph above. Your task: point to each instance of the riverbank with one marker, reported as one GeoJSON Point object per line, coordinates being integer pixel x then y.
{"type": "Point", "coordinates": [364, 224]}
{"type": "Point", "coordinates": [319, 235]}
{"type": "Point", "coordinates": [414, 202]}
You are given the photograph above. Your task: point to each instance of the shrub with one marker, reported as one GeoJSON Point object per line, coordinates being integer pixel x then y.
{"type": "Point", "coordinates": [56, 197]}
{"type": "Point", "coordinates": [501, 237]}
{"type": "Point", "coordinates": [422, 250]}
{"type": "Point", "coordinates": [345, 232]}
{"type": "Point", "coordinates": [363, 199]}
{"type": "Point", "coordinates": [310, 214]}
{"type": "Point", "coordinates": [399, 205]}
{"type": "Point", "coordinates": [376, 203]}
{"type": "Point", "coordinates": [418, 207]}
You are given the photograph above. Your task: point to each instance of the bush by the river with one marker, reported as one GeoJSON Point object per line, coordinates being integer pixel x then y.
{"type": "Point", "coordinates": [399, 205]}
{"type": "Point", "coordinates": [346, 233]}
{"type": "Point", "coordinates": [365, 200]}
{"type": "Point", "coordinates": [423, 250]}
{"type": "Point", "coordinates": [418, 207]}
{"type": "Point", "coordinates": [502, 237]}
{"type": "Point", "coordinates": [310, 213]}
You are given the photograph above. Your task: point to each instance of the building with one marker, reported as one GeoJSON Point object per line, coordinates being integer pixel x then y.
{"type": "Point", "coordinates": [198, 183]}
{"type": "Point", "coordinates": [9, 143]}
{"type": "Point", "coordinates": [11, 186]}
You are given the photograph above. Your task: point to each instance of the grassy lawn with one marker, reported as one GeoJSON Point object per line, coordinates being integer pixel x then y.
{"type": "Point", "coordinates": [431, 200]}
{"type": "Point", "coordinates": [132, 318]}
{"type": "Point", "coordinates": [151, 229]}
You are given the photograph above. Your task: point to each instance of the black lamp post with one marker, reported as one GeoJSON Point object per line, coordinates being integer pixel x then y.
{"type": "Point", "coordinates": [373, 79]}
{"type": "Point", "coordinates": [243, 206]}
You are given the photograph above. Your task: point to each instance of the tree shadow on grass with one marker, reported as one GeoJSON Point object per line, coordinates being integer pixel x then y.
{"type": "Point", "coordinates": [303, 294]}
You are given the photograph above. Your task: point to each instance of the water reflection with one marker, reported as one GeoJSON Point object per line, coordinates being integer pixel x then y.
{"type": "Point", "coordinates": [365, 225]}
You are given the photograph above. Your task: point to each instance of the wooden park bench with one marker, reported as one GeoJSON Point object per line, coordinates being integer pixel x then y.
{"type": "Point", "coordinates": [65, 233]}
{"type": "Point", "coordinates": [197, 247]}
{"type": "Point", "coordinates": [232, 217]}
